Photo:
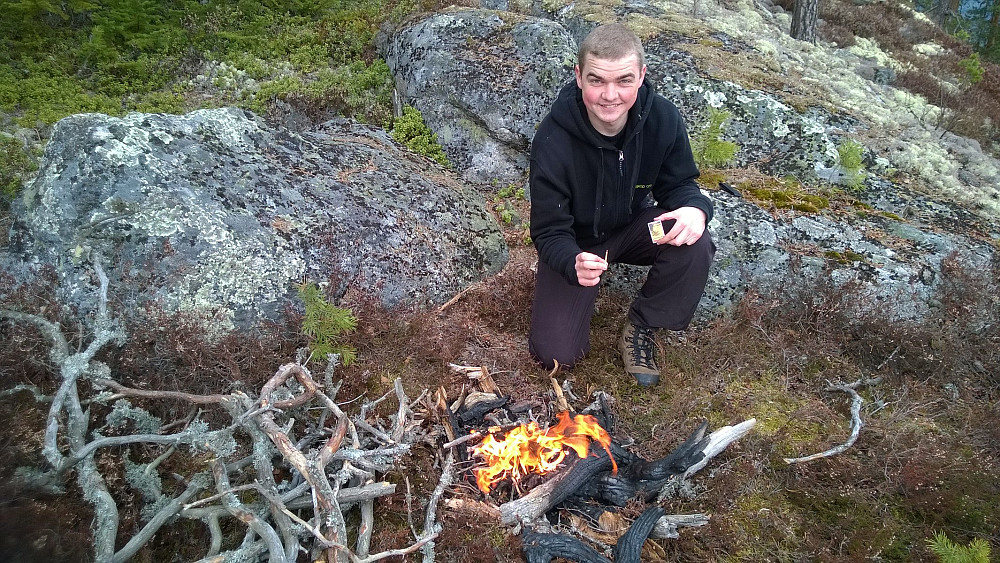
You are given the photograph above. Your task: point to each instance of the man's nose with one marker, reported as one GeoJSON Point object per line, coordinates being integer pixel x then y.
{"type": "Point", "coordinates": [610, 91]}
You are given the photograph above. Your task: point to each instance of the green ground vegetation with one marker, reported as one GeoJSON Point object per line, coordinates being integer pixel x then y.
{"type": "Point", "coordinates": [410, 130]}
{"type": "Point", "coordinates": [785, 193]}
{"type": "Point", "coordinates": [121, 55]}
{"type": "Point", "coordinates": [17, 163]}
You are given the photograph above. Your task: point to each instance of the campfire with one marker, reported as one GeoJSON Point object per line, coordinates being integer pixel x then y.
{"type": "Point", "coordinates": [528, 449]}
{"type": "Point", "coordinates": [559, 471]}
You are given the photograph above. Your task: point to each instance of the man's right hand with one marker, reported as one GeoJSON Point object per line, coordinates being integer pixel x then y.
{"type": "Point", "coordinates": [589, 268]}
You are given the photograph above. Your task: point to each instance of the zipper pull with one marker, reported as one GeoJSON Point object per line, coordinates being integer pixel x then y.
{"type": "Point", "coordinates": [621, 163]}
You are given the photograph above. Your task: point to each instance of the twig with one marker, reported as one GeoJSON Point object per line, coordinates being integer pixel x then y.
{"type": "Point", "coordinates": [33, 389]}
{"type": "Point", "coordinates": [457, 441]}
{"type": "Point", "coordinates": [457, 296]}
{"type": "Point", "coordinates": [219, 495]}
{"type": "Point", "coordinates": [274, 547]}
{"type": "Point", "coordinates": [175, 395]}
{"type": "Point", "coordinates": [431, 528]}
{"type": "Point", "coordinates": [561, 403]}
{"type": "Point", "coordinates": [365, 528]}
{"type": "Point", "coordinates": [399, 425]}
{"type": "Point", "coordinates": [856, 422]}
{"type": "Point", "coordinates": [197, 484]}
{"type": "Point", "coordinates": [888, 359]}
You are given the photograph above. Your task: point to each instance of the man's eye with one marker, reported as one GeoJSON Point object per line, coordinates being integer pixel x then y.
{"type": "Point", "coordinates": [595, 82]}
{"type": "Point", "coordinates": [626, 82]}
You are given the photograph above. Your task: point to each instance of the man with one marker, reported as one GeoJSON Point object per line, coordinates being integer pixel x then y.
{"type": "Point", "coordinates": [608, 146]}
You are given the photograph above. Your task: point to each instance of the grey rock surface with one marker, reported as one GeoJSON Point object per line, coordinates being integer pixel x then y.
{"type": "Point", "coordinates": [220, 213]}
{"type": "Point", "coordinates": [482, 80]}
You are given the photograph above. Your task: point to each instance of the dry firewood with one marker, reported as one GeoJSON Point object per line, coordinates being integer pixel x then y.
{"type": "Point", "coordinates": [478, 508]}
{"type": "Point", "coordinates": [487, 383]}
{"type": "Point", "coordinates": [458, 441]}
{"type": "Point", "coordinates": [666, 526]}
{"type": "Point", "coordinates": [561, 404]}
{"type": "Point", "coordinates": [543, 548]}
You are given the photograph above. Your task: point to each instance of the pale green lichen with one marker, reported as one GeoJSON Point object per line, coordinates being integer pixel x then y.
{"type": "Point", "coordinates": [899, 117]}
{"type": "Point", "coordinates": [142, 422]}
{"type": "Point", "coordinates": [929, 49]}
{"type": "Point", "coordinates": [870, 49]}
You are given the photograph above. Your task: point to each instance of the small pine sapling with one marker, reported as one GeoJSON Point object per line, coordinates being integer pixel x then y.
{"type": "Point", "coordinates": [325, 324]}
{"type": "Point", "coordinates": [708, 147]}
{"type": "Point", "coordinates": [978, 550]}
{"type": "Point", "coordinates": [850, 159]}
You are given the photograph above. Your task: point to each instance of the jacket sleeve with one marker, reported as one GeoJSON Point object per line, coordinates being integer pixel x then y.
{"type": "Point", "coordinates": [675, 185]}
{"type": "Point", "coordinates": [551, 212]}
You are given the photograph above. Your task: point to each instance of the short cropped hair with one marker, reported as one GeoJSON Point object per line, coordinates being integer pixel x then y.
{"type": "Point", "coordinates": [611, 42]}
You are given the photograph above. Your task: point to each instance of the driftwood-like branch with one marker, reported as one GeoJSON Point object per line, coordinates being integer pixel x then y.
{"type": "Point", "coordinates": [856, 422]}
{"type": "Point", "coordinates": [719, 441]}
{"type": "Point", "coordinates": [165, 514]}
{"type": "Point", "coordinates": [331, 469]}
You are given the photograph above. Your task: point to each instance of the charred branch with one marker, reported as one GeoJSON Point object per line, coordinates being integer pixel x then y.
{"type": "Point", "coordinates": [543, 548]}
{"type": "Point", "coordinates": [629, 546]}
{"type": "Point", "coordinates": [543, 498]}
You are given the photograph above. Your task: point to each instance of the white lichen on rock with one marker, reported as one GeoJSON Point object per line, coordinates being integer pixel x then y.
{"type": "Point", "coordinates": [903, 127]}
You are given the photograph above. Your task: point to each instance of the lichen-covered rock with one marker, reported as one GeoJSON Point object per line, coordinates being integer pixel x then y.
{"type": "Point", "coordinates": [482, 80]}
{"type": "Point", "coordinates": [894, 266]}
{"type": "Point", "coordinates": [218, 213]}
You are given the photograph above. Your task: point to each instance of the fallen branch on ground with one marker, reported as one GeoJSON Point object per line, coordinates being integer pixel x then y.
{"type": "Point", "coordinates": [328, 470]}
{"type": "Point", "coordinates": [856, 422]}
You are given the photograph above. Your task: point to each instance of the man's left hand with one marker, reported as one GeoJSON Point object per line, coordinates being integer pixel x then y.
{"type": "Point", "coordinates": [689, 225]}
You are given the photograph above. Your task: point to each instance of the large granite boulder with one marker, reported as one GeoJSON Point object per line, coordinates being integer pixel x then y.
{"type": "Point", "coordinates": [482, 80]}
{"type": "Point", "coordinates": [219, 213]}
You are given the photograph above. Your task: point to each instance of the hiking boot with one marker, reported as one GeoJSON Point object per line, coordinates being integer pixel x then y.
{"type": "Point", "coordinates": [639, 354]}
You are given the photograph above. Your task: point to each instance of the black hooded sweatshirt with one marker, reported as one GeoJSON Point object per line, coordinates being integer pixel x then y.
{"type": "Point", "coordinates": [583, 188]}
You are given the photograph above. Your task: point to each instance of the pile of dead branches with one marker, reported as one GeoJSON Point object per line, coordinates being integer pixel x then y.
{"type": "Point", "coordinates": [294, 427]}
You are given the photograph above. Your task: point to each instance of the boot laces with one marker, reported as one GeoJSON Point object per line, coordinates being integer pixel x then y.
{"type": "Point", "coordinates": [642, 347]}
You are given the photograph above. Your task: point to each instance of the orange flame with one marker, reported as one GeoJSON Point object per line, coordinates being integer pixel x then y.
{"type": "Point", "coordinates": [529, 449]}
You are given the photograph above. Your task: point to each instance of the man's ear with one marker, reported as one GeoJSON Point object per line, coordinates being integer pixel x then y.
{"type": "Point", "coordinates": [579, 76]}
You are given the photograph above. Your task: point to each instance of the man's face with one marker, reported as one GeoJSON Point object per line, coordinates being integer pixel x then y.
{"type": "Point", "coordinates": [609, 90]}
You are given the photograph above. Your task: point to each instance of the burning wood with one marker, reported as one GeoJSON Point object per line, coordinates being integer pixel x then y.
{"type": "Point", "coordinates": [579, 466]}
{"type": "Point", "coordinates": [529, 449]}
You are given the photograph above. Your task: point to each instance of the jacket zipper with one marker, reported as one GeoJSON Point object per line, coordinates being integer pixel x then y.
{"type": "Point", "coordinates": [621, 163]}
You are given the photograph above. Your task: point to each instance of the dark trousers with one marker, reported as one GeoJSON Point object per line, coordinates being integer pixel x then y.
{"type": "Point", "coordinates": [561, 311]}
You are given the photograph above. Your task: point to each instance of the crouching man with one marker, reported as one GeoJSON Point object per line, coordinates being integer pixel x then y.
{"type": "Point", "coordinates": [608, 149]}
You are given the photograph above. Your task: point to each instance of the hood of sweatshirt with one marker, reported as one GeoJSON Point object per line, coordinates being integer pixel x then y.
{"type": "Point", "coordinates": [571, 114]}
